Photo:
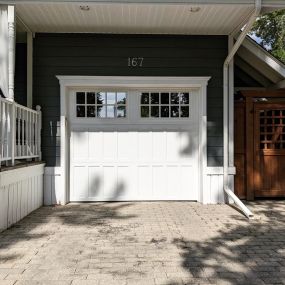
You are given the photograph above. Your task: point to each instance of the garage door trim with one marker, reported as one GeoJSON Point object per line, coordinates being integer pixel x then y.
{"type": "Point", "coordinates": [68, 83]}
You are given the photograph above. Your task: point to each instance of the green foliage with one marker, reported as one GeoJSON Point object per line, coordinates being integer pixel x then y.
{"type": "Point", "coordinates": [271, 29]}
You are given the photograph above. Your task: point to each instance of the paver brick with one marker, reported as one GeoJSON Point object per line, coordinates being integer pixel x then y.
{"type": "Point", "coordinates": [161, 243]}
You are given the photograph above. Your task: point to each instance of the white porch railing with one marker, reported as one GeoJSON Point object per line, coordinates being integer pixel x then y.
{"type": "Point", "coordinates": [20, 132]}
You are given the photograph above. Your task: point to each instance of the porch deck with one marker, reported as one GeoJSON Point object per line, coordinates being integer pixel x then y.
{"type": "Point", "coordinates": [167, 243]}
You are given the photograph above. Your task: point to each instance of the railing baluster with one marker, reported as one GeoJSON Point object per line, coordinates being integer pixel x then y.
{"type": "Point", "coordinates": [36, 134]}
{"type": "Point", "coordinates": [13, 132]}
{"type": "Point", "coordinates": [27, 132]}
{"type": "Point", "coordinates": [20, 130]}
{"type": "Point", "coordinates": [39, 128]}
{"type": "Point", "coordinates": [30, 133]}
{"type": "Point", "coordinates": [4, 131]}
{"type": "Point", "coordinates": [34, 137]}
{"type": "Point", "coordinates": [23, 132]}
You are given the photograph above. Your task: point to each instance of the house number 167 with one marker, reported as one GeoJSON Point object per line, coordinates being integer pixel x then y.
{"type": "Point", "coordinates": [135, 61]}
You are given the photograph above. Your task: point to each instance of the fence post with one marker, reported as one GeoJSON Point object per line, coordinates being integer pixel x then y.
{"type": "Point", "coordinates": [13, 133]}
{"type": "Point", "coordinates": [38, 108]}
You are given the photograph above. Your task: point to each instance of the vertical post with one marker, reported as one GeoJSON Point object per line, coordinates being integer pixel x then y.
{"type": "Point", "coordinates": [204, 189]}
{"type": "Point", "coordinates": [29, 69]}
{"type": "Point", "coordinates": [13, 132]}
{"type": "Point", "coordinates": [23, 132]}
{"type": "Point", "coordinates": [231, 117]}
{"type": "Point", "coordinates": [18, 112]}
{"type": "Point", "coordinates": [231, 106]}
{"type": "Point", "coordinates": [39, 129]}
{"type": "Point", "coordinates": [249, 109]}
{"type": "Point", "coordinates": [1, 131]}
{"type": "Point", "coordinates": [63, 143]}
{"type": "Point", "coordinates": [11, 51]}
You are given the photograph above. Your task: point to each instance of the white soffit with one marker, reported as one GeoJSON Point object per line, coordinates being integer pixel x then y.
{"type": "Point", "coordinates": [133, 18]}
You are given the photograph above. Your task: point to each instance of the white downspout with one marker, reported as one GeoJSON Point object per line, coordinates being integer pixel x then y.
{"type": "Point", "coordinates": [229, 58]}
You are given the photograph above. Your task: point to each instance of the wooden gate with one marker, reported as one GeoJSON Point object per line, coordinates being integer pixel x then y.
{"type": "Point", "coordinates": [269, 149]}
{"type": "Point", "coordinates": [260, 145]}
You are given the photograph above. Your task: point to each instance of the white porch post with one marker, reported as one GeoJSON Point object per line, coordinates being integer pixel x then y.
{"type": "Point", "coordinates": [11, 51]}
{"type": "Point", "coordinates": [29, 69]}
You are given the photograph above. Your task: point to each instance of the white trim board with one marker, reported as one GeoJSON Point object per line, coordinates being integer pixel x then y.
{"type": "Point", "coordinates": [132, 81]}
{"type": "Point", "coordinates": [265, 3]}
{"type": "Point", "coordinates": [67, 83]}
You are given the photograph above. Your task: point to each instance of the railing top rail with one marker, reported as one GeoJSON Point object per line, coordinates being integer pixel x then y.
{"type": "Point", "coordinates": [18, 105]}
{"type": "Point", "coordinates": [5, 100]}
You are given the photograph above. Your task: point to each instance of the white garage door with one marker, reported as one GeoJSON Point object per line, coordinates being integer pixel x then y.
{"type": "Point", "coordinates": [133, 145]}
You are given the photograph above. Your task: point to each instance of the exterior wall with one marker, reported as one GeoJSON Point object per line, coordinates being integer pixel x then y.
{"type": "Point", "coordinates": [91, 54]}
{"type": "Point", "coordinates": [21, 74]}
{"type": "Point", "coordinates": [21, 192]}
{"type": "Point", "coordinates": [243, 79]}
{"type": "Point", "coordinates": [52, 186]}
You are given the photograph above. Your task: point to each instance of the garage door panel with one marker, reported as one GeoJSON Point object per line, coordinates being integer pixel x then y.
{"type": "Point", "coordinates": [144, 146]}
{"type": "Point", "coordinates": [186, 181]}
{"type": "Point", "coordinates": [159, 146]}
{"type": "Point", "coordinates": [173, 181]}
{"type": "Point", "coordinates": [80, 146]}
{"type": "Point", "coordinates": [110, 183]}
{"type": "Point", "coordinates": [160, 175]}
{"type": "Point", "coordinates": [95, 182]}
{"type": "Point", "coordinates": [172, 146]}
{"type": "Point", "coordinates": [188, 145]}
{"type": "Point", "coordinates": [80, 182]}
{"type": "Point", "coordinates": [159, 182]}
{"type": "Point", "coordinates": [109, 146]}
{"type": "Point", "coordinates": [96, 144]}
{"type": "Point", "coordinates": [126, 185]}
{"type": "Point", "coordinates": [126, 146]}
{"type": "Point", "coordinates": [145, 182]}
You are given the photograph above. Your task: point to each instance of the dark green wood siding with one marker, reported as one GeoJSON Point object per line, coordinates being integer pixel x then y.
{"type": "Point", "coordinates": [21, 74]}
{"type": "Point", "coordinates": [91, 54]}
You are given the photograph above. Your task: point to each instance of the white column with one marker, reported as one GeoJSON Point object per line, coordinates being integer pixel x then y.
{"type": "Point", "coordinates": [30, 69]}
{"type": "Point", "coordinates": [11, 51]}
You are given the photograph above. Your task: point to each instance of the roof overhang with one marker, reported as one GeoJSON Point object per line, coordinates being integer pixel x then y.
{"type": "Point", "coordinates": [255, 59]}
{"type": "Point", "coordinates": [203, 17]}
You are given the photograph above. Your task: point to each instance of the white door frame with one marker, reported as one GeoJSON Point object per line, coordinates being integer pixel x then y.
{"type": "Point", "coordinates": [69, 82]}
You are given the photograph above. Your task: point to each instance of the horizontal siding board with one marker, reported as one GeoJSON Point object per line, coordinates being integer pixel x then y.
{"type": "Point", "coordinates": [51, 150]}
{"type": "Point", "coordinates": [155, 41]}
{"type": "Point", "coordinates": [106, 55]}
{"type": "Point", "coordinates": [148, 62]}
{"type": "Point", "coordinates": [127, 71]}
{"type": "Point", "coordinates": [20, 91]}
{"type": "Point", "coordinates": [115, 52]}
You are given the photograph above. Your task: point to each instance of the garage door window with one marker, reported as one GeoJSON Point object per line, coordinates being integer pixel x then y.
{"type": "Point", "coordinates": [164, 105]}
{"type": "Point", "coordinates": [101, 104]}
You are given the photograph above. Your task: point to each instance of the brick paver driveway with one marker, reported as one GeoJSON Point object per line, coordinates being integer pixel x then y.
{"type": "Point", "coordinates": [167, 243]}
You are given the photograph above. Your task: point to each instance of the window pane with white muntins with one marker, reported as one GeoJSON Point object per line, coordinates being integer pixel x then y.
{"type": "Point", "coordinates": [101, 104]}
{"type": "Point", "coordinates": [164, 105]}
